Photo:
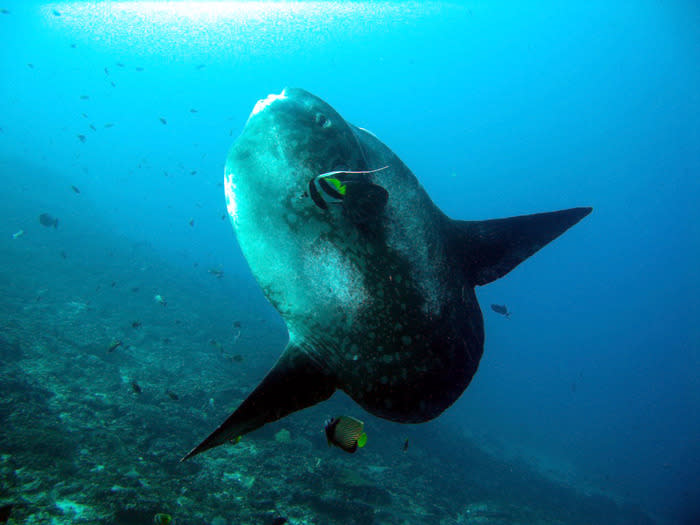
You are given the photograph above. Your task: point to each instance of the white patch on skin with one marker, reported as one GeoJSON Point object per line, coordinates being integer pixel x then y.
{"type": "Point", "coordinates": [230, 191]}
{"type": "Point", "coordinates": [341, 283]}
{"type": "Point", "coordinates": [369, 132]}
{"type": "Point", "coordinates": [262, 104]}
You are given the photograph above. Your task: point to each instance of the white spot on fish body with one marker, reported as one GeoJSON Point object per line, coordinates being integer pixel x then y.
{"type": "Point", "coordinates": [262, 104]}
{"type": "Point", "coordinates": [230, 191]}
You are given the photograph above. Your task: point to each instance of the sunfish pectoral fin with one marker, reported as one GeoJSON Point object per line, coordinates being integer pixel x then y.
{"type": "Point", "coordinates": [295, 382]}
{"type": "Point", "coordinates": [490, 249]}
{"type": "Point", "coordinates": [364, 201]}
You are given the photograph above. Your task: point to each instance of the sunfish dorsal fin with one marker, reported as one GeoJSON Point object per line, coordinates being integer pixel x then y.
{"type": "Point", "coordinates": [490, 249]}
{"type": "Point", "coordinates": [294, 382]}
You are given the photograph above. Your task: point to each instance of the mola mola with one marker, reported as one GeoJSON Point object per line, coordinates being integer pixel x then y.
{"type": "Point", "coordinates": [374, 282]}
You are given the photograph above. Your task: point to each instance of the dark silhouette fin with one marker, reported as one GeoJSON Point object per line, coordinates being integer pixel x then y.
{"type": "Point", "coordinates": [295, 382]}
{"type": "Point", "coordinates": [490, 249]}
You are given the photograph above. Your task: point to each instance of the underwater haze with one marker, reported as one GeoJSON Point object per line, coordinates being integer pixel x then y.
{"type": "Point", "coordinates": [131, 324]}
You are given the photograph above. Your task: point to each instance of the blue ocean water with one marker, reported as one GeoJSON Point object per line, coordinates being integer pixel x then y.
{"type": "Point", "coordinates": [499, 108]}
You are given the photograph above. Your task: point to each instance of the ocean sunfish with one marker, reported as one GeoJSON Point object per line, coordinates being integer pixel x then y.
{"type": "Point", "coordinates": [374, 282]}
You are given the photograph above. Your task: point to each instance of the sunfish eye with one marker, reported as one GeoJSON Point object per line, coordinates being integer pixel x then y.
{"type": "Point", "coordinates": [322, 121]}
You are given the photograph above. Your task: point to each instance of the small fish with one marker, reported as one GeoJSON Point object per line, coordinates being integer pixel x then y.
{"type": "Point", "coordinates": [237, 358]}
{"type": "Point", "coordinates": [346, 432]}
{"type": "Point", "coordinates": [47, 220]}
{"type": "Point", "coordinates": [92, 127]}
{"type": "Point", "coordinates": [201, 66]}
{"type": "Point", "coordinates": [113, 84]}
{"type": "Point", "coordinates": [172, 395]}
{"type": "Point", "coordinates": [55, 12]}
{"type": "Point", "coordinates": [162, 519]}
{"type": "Point", "coordinates": [360, 201]}
{"type": "Point", "coordinates": [120, 64]}
{"type": "Point", "coordinates": [75, 188]}
{"type": "Point", "coordinates": [136, 324]}
{"type": "Point", "coordinates": [106, 71]}
{"type": "Point", "coordinates": [84, 97]}
{"type": "Point", "coordinates": [114, 346]}
{"type": "Point", "coordinates": [193, 172]}
{"type": "Point", "coordinates": [138, 68]}
{"type": "Point", "coordinates": [159, 299]}
{"type": "Point", "coordinates": [4, 11]}
{"type": "Point", "coordinates": [30, 66]}
{"type": "Point", "coordinates": [109, 125]}
{"type": "Point", "coordinates": [216, 272]}
{"type": "Point", "coordinates": [163, 121]}
{"type": "Point", "coordinates": [193, 110]}
{"type": "Point", "coordinates": [191, 223]}
{"type": "Point", "coordinates": [501, 309]}
{"type": "Point", "coordinates": [223, 216]}
{"type": "Point", "coordinates": [136, 387]}
{"type": "Point", "coordinates": [18, 234]}
{"type": "Point", "coordinates": [73, 46]}
{"type": "Point", "coordinates": [84, 115]}
{"type": "Point", "coordinates": [279, 521]}
{"type": "Point", "coordinates": [82, 138]}
{"type": "Point", "coordinates": [236, 324]}
{"type": "Point", "coordinates": [5, 511]}
{"type": "Point", "coordinates": [405, 445]}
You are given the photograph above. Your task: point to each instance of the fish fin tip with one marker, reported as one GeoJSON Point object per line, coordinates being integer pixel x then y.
{"type": "Point", "coordinates": [490, 249]}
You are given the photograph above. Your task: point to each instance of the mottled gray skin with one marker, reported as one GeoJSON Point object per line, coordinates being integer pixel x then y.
{"type": "Point", "coordinates": [385, 311]}
{"type": "Point", "coordinates": [382, 310]}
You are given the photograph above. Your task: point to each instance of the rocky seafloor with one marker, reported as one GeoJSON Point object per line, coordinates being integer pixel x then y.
{"type": "Point", "coordinates": [94, 434]}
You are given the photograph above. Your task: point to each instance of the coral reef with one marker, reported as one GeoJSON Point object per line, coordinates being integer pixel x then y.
{"type": "Point", "coordinates": [79, 443]}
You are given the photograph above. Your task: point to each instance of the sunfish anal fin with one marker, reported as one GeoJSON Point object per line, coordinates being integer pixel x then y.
{"type": "Point", "coordinates": [294, 382]}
